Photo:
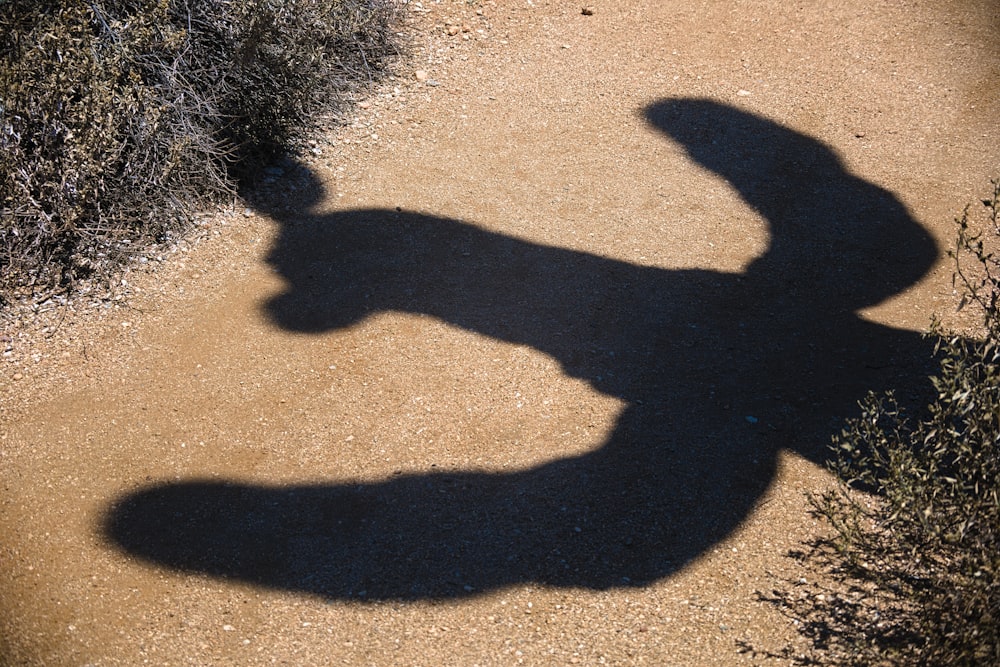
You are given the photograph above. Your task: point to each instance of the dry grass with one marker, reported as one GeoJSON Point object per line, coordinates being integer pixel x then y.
{"type": "Point", "coordinates": [121, 118]}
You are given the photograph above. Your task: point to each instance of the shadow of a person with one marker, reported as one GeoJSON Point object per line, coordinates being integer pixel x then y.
{"type": "Point", "coordinates": [691, 352]}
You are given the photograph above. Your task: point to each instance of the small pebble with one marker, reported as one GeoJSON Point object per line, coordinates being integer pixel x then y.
{"type": "Point", "coordinates": [420, 75]}
{"type": "Point", "coordinates": [18, 376]}
{"type": "Point", "coordinates": [587, 11]}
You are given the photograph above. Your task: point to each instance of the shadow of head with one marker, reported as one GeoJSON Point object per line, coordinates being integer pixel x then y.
{"type": "Point", "coordinates": [844, 241]}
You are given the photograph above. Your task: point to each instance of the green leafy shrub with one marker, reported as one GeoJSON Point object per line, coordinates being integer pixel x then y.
{"type": "Point", "coordinates": [119, 118]}
{"type": "Point", "coordinates": [914, 568]}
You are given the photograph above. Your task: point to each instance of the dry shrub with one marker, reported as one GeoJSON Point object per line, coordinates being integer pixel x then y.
{"type": "Point", "coordinates": [120, 118]}
{"type": "Point", "coordinates": [912, 563]}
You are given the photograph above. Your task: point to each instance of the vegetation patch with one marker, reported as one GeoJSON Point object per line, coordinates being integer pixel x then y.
{"type": "Point", "coordinates": [121, 118]}
{"type": "Point", "coordinates": [912, 561]}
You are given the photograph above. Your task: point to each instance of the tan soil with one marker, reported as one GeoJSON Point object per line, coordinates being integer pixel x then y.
{"type": "Point", "coordinates": [561, 406]}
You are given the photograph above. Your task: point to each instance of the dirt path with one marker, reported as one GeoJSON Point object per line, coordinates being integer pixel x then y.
{"type": "Point", "coordinates": [532, 364]}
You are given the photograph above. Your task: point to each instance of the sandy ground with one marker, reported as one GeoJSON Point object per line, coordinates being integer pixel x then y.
{"type": "Point", "coordinates": [533, 364]}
